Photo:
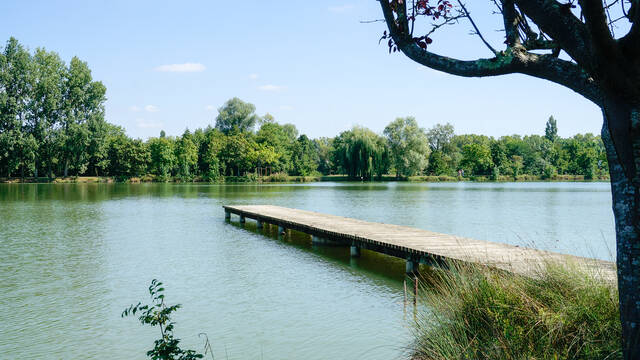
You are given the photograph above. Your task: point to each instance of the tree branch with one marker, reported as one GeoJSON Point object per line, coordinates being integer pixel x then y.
{"type": "Point", "coordinates": [510, 20]}
{"type": "Point", "coordinates": [513, 60]}
{"type": "Point", "coordinates": [596, 21]}
{"type": "Point", "coordinates": [630, 43]}
{"type": "Point", "coordinates": [468, 16]}
{"type": "Point", "coordinates": [557, 21]}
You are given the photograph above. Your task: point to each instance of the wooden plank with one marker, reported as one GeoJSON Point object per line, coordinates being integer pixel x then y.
{"type": "Point", "coordinates": [411, 242]}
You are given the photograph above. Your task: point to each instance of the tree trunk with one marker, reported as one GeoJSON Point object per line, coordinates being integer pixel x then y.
{"type": "Point", "coordinates": [66, 168]}
{"type": "Point", "coordinates": [625, 194]}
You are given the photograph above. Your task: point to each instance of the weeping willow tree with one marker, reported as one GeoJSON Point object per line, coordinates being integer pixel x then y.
{"type": "Point", "coordinates": [361, 153]}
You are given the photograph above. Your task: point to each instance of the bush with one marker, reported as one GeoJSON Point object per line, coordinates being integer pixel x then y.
{"type": "Point", "coordinates": [549, 172]}
{"type": "Point", "coordinates": [495, 174]}
{"type": "Point", "coordinates": [277, 177]}
{"type": "Point", "coordinates": [478, 313]}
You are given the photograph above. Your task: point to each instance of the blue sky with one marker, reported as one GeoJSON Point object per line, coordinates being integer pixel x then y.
{"type": "Point", "coordinates": [170, 64]}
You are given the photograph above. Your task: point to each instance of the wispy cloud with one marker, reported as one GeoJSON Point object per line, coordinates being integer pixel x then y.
{"type": "Point", "coordinates": [209, 108]}
{"type": "Point", "coordinates": [151, 108]}
{"type": "Point", "coordinates": [186, 67]}
{"type": "Point", "coordinates": [340, 8]}
{"type": "Point", "coordinates": [146, 124]}
{"type": "Point", "coordinates": [253, 76]}
{"type": "Point", "coordinates": [286, 107]}
{"type": "Point", "coordinates": [134, 108]}
{"type": "Point", "coordinates": [270, 87]}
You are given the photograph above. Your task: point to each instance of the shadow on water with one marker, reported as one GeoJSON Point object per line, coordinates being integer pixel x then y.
{"type": "Point", "coordinates": [370, 263]}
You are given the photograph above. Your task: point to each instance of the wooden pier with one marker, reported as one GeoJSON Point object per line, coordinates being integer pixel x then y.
{"type": "Point", "coordinates": [416, 246]}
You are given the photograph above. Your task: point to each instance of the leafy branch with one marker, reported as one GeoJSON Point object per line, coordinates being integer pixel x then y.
{"type": "Point", "coordinates": [159, 314]}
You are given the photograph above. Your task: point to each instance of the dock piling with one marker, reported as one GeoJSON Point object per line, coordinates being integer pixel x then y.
{"type": "Point", "coordinates": [412, 266]}
{"type": "Point", "coordinates": [354, 251]}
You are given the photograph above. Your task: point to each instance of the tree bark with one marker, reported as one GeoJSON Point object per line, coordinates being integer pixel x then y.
{"type": "Point", "coordinates": [625, 192]}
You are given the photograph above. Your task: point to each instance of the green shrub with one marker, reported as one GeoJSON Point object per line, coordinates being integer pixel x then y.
{"type": "Point", "coordinates": [550, 172]}
{"type": "Point", "coordinates": [495, 174]}
{"type": "Point", "coordinates": [478, 313]}
{"type": "Point", "coordinates": [277, 177]}
{"type": "Point", "coordinates": [158, 313]}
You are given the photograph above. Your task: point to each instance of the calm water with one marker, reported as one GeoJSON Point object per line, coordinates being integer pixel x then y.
{"type": "Point", "coordinates": [72, 257]}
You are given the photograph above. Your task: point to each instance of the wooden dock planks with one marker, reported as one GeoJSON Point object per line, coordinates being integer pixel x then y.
{"type": "Point", "coordinates": [416, 244]}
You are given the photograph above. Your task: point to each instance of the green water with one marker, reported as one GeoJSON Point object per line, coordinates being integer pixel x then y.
{"type": "Point", "coordinates": [73, 256]}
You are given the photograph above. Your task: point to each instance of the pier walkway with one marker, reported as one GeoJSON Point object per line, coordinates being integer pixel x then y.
{"type": "Point", "coordinates": [416, 246]}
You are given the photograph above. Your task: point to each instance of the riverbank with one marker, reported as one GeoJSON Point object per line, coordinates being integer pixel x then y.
{"type": "Point", "coordinates": [279, 178]}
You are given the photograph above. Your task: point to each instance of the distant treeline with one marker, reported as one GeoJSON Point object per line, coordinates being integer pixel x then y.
{"type": "Point", "coordinates": [52, 124]}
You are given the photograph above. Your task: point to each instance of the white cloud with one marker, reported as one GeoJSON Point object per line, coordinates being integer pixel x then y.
{"type": "Point", "coordinates": [134, 108]}
{"type": "Point", "coordinates": [340, 8]}
{"type": "Point", "coordinates": [151, 108]}
{"type": "Point", "coordinates": [286, 107]}
{"type": "Point", "coordinates": [270, 87]}
{"type": "Point", "coordinates": [209, 108]}
{"type": "Point", "coordinates": [145, 124]}
{"type": "Point", "coordinates": [186, 67]}
{"type": "Point", "coordinates": [253, 76]}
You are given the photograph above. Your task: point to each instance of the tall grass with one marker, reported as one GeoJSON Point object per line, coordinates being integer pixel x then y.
{"type": "Point", "coordinates": [479, 313]}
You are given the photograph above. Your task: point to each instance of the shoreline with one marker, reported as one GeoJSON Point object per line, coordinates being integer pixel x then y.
{"type": "Point", "coordinates": [293, 179]}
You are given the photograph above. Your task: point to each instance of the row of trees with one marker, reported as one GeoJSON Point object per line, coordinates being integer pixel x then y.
{"type": "Point", "coordinates": [52, 122]}
{"type": "Point", "coordinates": [51, 114]}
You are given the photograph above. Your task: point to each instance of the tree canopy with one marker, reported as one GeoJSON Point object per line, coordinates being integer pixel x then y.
{"type": "Point", "coordinates": [236, 115]}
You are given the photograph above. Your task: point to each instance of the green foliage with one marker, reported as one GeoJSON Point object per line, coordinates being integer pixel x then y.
{"type": "Point", "coordinates": [477, 158]}
{"type": "Point", "coordinates": [51, 115]}
{"type": "Point", "coordinates": [439, 164]}
{"type": "Point", "coordinates": [479, 313]}
{"type": "Point", "coordinates": [324, 149]}
{"type": "Point", "coordinates": [551, 129]}
{"type": "Point", "coordinates": [495, 173]}
{"type": "Point", "coordinates": [440, 136]}
{"type": "Point", "coordinates": [159, 314]}
{"type": "Point", "coordinates": [409, 146]}
{"type": "Point", "coordinates": [281, 138]}
{"type": "Point", "coordinates": [163, 157]}
{"type": "Point", "coordinates": [52, 121]}
{"type": "Point", "coordinates": [186, 154]}
{"type": "Point", "coordinates": [550, 172]}
{"type": "Point", "coordinates": [361, 153]}
{"type": "Point", "coordinates": [236, 116]}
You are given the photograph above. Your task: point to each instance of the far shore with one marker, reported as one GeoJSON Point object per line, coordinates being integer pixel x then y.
{"type": "Point", "coordinates": [296, 179]}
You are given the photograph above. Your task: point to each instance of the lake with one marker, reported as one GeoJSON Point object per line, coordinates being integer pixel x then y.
{"type": "Point", "coordinates": [73, 256]}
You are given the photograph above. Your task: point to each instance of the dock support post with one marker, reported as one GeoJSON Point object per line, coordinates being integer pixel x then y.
{"type": "Point", "coordinates": [242, 219]}
{"type": "Point", "coordinates": [355, 251]}
{"type": "Point", "coordinates": [259, 224]}
{"type": "Point", "coordinates": [412, 266]}
{"type": "Point", "coordinates": [281, 229]}
{"type": "Point", "coordinates": [227, 215]}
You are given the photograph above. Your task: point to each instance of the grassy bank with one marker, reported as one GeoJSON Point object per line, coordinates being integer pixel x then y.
{"type": "Point", "coordinates": [477, 313]}
{"type": "Point", "coordinates": [283, 178]}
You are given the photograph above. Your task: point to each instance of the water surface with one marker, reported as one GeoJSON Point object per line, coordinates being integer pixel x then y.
{"type": "Point", "coordinates": [73, 256]}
